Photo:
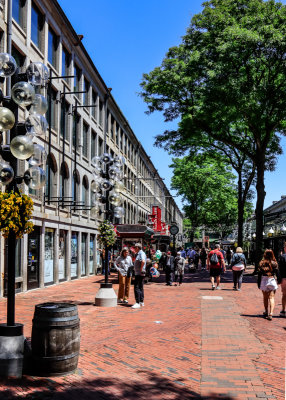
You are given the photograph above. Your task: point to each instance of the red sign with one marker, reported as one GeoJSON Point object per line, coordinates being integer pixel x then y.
{"type": "Point", "coordinates": [157, 215]}
{"type": "Point", "coordinates": [164, 228]}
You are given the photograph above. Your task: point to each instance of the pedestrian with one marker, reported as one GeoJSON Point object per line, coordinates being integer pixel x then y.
{"type": "Point", "coordinates": [123, 264]}
{"type": "Point", "coordinates": [203, 257]}
{"type": "Point", "coordinates": [140, 272]}
{"type": "Point", "coordinates": [228, 256]}
{"type": "Point", "coordinates": [238, 265]}
{"type": "Point", "coordinates": [282, 279]}
{"type": "Point", "coordinates": [179, 268]}
{"type": "Point", "coordinates": [168, 267]}
{"type": "Point", "coordinates": [215, 265]}
{"type": "Point", "coordinates": [196, 257]}
{"type": "Point", "coordinates": [104, 261]}
{"type": "Point", "coordinates": [267, 271]}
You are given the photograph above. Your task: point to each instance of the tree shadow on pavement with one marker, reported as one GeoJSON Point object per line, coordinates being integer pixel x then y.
{"type": "Point", "coordinates": [152, 387]}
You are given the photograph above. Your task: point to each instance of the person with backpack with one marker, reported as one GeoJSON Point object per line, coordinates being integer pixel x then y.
{"type": "Point", "coordinates": [215, 265]}
{"type": "Point", "coordinates": [238, 265]}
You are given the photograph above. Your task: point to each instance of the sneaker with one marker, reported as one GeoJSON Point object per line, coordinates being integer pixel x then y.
{"type": "Point", "coordinates": [136, 305]}
{"type": "Point", "coordinates": [282, 314]}
{"type": "Point", "coordinates": [218, 288]}
{"type": "Point", "coordinates": [141, 304]}
{"type": "Point", "coordinates": [269, 317]}
{"type": "Point", "coordinates": [234, 288]}
{"type": "Point", "coordinates": [119, 301]}
{"type": "Point", "coordinates": [265, 314]}
{"type": "Point", "coordinates": [213, 287]}
{"type": "Point", "coordinates": [238, 290]}
{"type": "Point", "coordinates": [125, 301]}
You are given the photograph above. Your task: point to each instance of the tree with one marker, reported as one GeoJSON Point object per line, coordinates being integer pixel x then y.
{"type": "Point", "coordinates": [227, 81]}
{"type": "Point", "coordinates": [207, 186]}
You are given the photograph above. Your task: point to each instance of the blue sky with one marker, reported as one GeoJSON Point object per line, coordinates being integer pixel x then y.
{"type": "Point", "coordinates": [126, 38]}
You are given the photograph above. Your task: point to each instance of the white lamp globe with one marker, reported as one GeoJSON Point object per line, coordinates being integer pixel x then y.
{"type": "Point", "coordinates": [39, 106]}
{"type": "Point", "coordinates": [6, 173]}
{"type": "Point", "coordinates": [23, 94]}
{"type": "Point", "coordinates": [22, 147]}
{"type": "Point", "coordinates": [106, 158]}
{"type": "Point", "coordinates": [39, 156]}
{"type": "Point", "coordinates": [118, 212]}
{"type": "Point", "coordinates": [7, 119]}
{"type": "Point", "coordinates": [37, 177]}
{"type": "Point", "coordinates": [8, 65]}
{"type": "Point", "coordinates": [36, 124]}
{"type": "Point", "coordinates": [38, 73]}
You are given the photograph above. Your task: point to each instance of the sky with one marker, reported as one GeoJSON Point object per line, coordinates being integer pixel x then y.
{"type": "Point", "coordinates": [126, 38]}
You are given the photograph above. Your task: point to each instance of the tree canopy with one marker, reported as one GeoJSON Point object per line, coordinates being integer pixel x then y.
{"type": "Point", "coordinates": [208, 188]}
{"type": "Point", "coordinates": [227, 80]}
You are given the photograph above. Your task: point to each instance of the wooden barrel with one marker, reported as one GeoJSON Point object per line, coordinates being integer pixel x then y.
{"type": "Point", "coordinates": [55, 339]}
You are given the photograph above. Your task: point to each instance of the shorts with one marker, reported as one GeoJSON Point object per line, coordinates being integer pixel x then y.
{"type": "Point", "coordinates": [215, 271]}
{"type": "Point", "coordinates": [283, 286]}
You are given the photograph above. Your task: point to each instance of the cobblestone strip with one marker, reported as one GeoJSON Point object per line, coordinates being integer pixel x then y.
{"type": "Point", "coordinates": [228, 348]}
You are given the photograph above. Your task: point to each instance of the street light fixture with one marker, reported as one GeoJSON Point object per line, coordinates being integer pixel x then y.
{"type": "Point", "coordinates": [106, 189]}
{"type": "Point", "coordinates": [18, 146]}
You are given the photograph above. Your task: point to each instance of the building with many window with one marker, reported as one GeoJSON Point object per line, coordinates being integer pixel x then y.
{"type": "Point", "coordinates": [83, 119]}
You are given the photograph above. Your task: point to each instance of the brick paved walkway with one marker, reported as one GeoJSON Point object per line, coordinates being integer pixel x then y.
{"type": "Point", "coordinates": [187, 342]}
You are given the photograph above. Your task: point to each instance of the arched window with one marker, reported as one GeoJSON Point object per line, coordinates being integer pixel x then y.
{"type": "Point", "coordinates": [85, 193]}
{"type": "Point", "coordinates": [63, 184]}
{"type": "Point", "coordinates": [51, 181]}
{"type": "Point", "coordinates": [75, 185]}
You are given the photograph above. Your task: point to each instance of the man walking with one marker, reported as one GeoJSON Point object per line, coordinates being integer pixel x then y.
{"type": "Point", "coordinates": [282, 278]}
{"type": "Point", "coordinates": [169, 266]}
{"type": "Point", "coordinates": [140, 272]}
{"type": "Point", "coordinates": [216, 265]}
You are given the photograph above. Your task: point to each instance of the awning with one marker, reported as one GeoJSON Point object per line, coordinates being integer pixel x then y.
{"type": "Point", "coordinates": [134, 231]}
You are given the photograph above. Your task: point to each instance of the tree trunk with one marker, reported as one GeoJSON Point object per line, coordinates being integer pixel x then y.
{"type": "Point", "coordinates": [260, 164]}
{"type": "Point", "coordinates": [240, 209]}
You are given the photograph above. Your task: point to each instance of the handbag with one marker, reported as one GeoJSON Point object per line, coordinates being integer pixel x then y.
{"type": "Point", "coordinates": [271, 284]}
{"type": "Point", "coordinates": [130, 271]}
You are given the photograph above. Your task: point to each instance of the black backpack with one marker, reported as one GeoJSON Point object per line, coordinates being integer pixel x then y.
{"type": "Point", "coordinates": [214, 259]}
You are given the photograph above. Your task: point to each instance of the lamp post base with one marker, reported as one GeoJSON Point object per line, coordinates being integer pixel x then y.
{"type": "Point", "coordinates": [106, 296]}
{"type": "Point", "coordinates": [11, 350]}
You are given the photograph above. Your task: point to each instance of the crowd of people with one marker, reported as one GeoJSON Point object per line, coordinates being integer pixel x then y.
{"type": "Point", "coordinates": [135, 262]}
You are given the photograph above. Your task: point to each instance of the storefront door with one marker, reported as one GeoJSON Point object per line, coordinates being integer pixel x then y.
{"type": "Point", "coordinates": [33, 259]}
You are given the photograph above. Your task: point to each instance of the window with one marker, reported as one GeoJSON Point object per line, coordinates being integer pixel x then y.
{"type": "Point", "coordinates": [65, 63]}
{"type": "Point", "coordinates": [37, 23]}
{"type": "Point", "coordinates": [85, 193]}
{"type": "Point", "coordinates": [85, 140]}
{"type": "Point", "coordinates": [75, 185]}
{"type": "Point", "coordinates": [77, 76]}
{"type": "Point", "coordinates": [121, 140]}
{"type": "Point", "coordinates": [76, 130]}
{"type": "Point", "coordinates": [19, 58]}
{"type": "Point", "coordinates": [117, 134]}
{"type": "Point", "coordinates": [51, 113]}
{"type": "Point", "coordinates": [18, 11]}
{"type": "Point", "coordinates": [65, 119]}
{"type": "Point", "coordinates": [94, 103]}
{"type": "Point", "coordinates": [86, 94]}
{"type": "Point", "coordinates": [100, 113]}
{"type": "Point", "coordinates": [51, 183]}
{"type": "Point", "coordinates": [100, 146]}
{"type": "Point", "coordinates": [93, 145]}
{"type": "Point", "coordinates": [52, 48]}
{"type": "Point", "coordinates": [125, 145]}
{"type": "Point", "coordinates": [112, 128]}
{"type": "Point", "coordinates": [63, 186]}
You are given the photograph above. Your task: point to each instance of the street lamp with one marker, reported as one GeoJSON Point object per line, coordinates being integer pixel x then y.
{"type": "Point", "coordinates": [19, 146]}
{"type": "Point", "coordinates": [106, 188]}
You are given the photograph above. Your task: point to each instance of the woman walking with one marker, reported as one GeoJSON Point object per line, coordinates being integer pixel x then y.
{"type": "Point", "coordinates": [123, 265]}
{"type": "Point", "coordinates": [267, 271]}
{"type": "Point", "coordinates": [238, 265]}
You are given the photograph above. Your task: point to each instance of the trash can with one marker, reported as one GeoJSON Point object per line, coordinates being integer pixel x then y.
{"type": "Point", "coordinates": [55, 339]}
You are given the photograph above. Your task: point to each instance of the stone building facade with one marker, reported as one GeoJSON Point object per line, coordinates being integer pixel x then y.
{"type": "Point", "coordinates": [84, 119]}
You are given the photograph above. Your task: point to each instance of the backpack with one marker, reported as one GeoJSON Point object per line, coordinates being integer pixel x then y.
{"type": "Point", "coordinates": [214, 259]}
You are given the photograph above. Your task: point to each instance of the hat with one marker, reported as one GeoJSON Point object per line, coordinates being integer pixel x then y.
{"type": "Point", "coordinates": [138, 245]}
{"type": "Point", "coordinates": [169, 253]}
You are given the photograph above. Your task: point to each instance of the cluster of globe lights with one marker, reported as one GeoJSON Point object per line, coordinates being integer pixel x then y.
{"type": "Point", "coordinates": [107, 184]}
{"type": "Point", "coordinates": [22, 146]}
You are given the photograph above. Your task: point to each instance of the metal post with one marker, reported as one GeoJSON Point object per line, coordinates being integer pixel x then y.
{"type": "Point", "coordinates": [50, 133]}
{"type": "Point", "coordinates": [9, 42]}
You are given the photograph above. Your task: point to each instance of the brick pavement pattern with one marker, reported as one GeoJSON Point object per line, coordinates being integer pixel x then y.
{"type": "Point", "coordinates": [188, 342]}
